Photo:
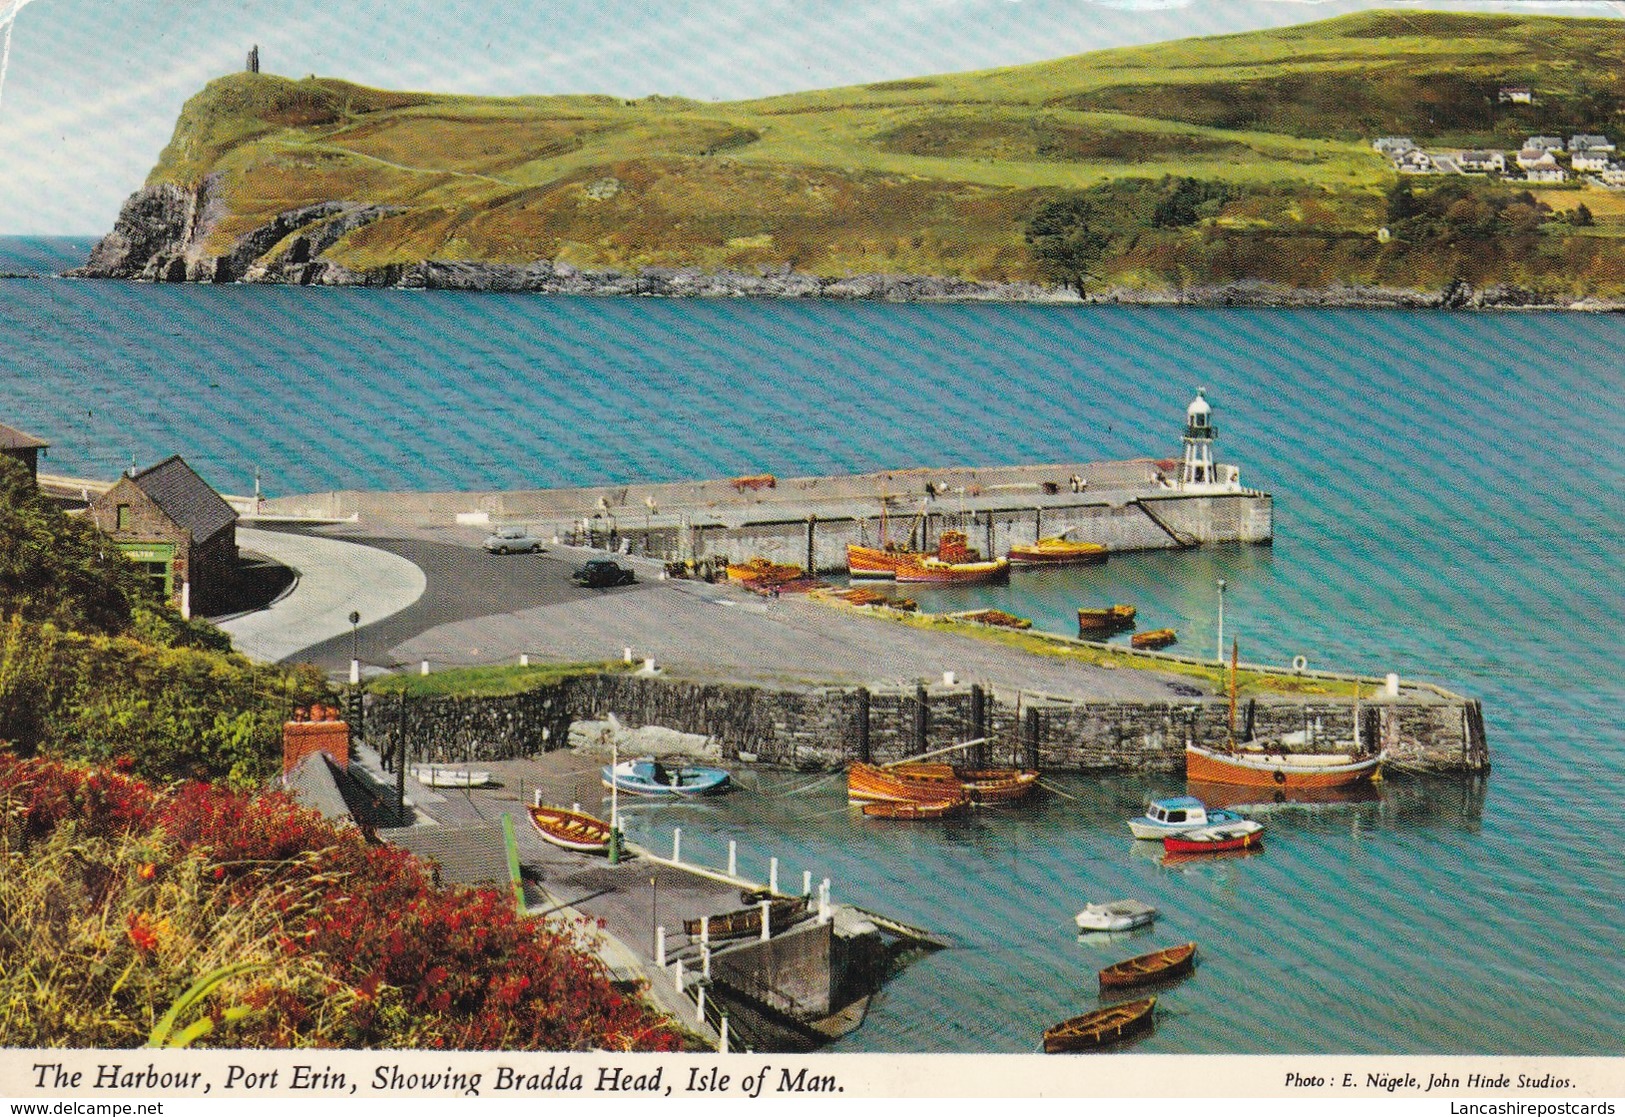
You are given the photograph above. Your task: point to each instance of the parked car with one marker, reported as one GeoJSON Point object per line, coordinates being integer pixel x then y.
{"type": "Point", "coordinates": [511, 538]}
{"type": "Point", "coordinates": [598, 573]}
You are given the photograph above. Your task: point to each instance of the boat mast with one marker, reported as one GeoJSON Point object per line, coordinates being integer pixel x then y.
{"type": "Point", "coordinates": [1234, 652]}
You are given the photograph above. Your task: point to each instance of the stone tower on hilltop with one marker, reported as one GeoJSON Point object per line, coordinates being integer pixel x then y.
{"type": "Point", "coordinates": [254, 59]}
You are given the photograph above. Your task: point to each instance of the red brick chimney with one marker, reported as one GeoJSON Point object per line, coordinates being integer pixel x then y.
{"type": "Point", "coordinates": [316, 729]}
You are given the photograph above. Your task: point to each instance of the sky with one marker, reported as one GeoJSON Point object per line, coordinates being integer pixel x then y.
{"type": "Point", "coordinates": [90, 90]}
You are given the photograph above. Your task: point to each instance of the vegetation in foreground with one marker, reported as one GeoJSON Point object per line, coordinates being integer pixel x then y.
{"type": "Point", "coordinates": [193, 916]}
{"type": "Point", "coordinates": [945, 175]}
{"type": "Point", "coordinates": [488, 681]}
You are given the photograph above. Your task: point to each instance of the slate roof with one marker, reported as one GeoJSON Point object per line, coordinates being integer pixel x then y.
{"type": "Point", "coordinates": [471, 855]}
{"type": "Point", "coordinates": [185, 497]}
{"type": "Point", "coordinates": [13, 439]}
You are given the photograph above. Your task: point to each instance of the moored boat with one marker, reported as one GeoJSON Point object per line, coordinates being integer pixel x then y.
{"type": "Point", "coordinates": [995, 617]}
{"type": "Point", "coordinates": [1115, 915]}
{"type": "Point", "coordinates": [1245, 834]}
{"type": "Point", "coordinates": [782, 911]}
{"type": "Point", "coordinates": [1112, 618]}
{"type": "Point", "coordinates": [981, 785]}
{"type": "Point", "coordinates": [762, 572]}
{"type": "Point", "coordinates": [870, 783]}
{"type": "Point", "coordinates": [448, 775]}
{"type": "Point", "coordinates": [650, 777]}
{"type": "Point", "coordinates": [932, 570]}
{"type": "Point", "coordinates": [570, 829]}
{"type": "Point", "coordinates": [1057, 550]}
{"type": "Point", "coordinates": [1159, 964]}
{"type": "Point", "coordinates": [920, 811]}
{"type": "Point", "coordinates": [1100, 1027]}
{"type": "Point", "coordinates": [1156, 638]}
{"type": "Point", "coordinates": [1255, 765]}
{"type": "Point", "coordinates": [1171, 816]}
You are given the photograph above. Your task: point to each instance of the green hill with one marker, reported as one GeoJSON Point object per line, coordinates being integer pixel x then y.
{"type": "Point", "coordinates": [938, 176]}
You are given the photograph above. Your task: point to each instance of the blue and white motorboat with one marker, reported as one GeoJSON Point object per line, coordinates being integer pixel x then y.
{"type": "Point", "coordinates": [1177, 815]}
{"type": "Point", "coordinates": [650, 777]}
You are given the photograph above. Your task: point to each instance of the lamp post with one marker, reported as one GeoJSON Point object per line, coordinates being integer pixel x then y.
{"type": "Point", "coordinates": [355, 659]}
{"type": "Point", "coordinates": [1220, 655]}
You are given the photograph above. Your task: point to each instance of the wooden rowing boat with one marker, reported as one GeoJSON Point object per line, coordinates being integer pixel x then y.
{"type": "Point", "coordinates": [570, 829]}
{"type": "Point", "coordinates": [1244, 834]}
{"type": "Point", "coordinates": [1155, 966]}
{"type": "Point", "coordinates": [922, 811]}
{"type": "Point", "coordinates": [1156, 638]}
{"type": "Point", "coordinates": [1112, 618]}
{"type": "Point", "coordinates": [1100, 1027]}
{"type": "Point", "coordinates": [782, 911]}
{"type": "Point", "coordinates": [998, 618]}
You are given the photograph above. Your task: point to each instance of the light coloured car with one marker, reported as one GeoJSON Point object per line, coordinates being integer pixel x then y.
{"type": "Point", "coordinates": [511, 539]}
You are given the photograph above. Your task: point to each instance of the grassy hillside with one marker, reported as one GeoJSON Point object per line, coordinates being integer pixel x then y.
{"type": "Point", "coordinates": [937, 175]}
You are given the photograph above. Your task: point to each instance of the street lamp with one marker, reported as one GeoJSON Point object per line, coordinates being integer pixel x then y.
{"type": "Point", "coordinates": [355, 658]}
{"type": "Point", "coordinates": [1220, 656]}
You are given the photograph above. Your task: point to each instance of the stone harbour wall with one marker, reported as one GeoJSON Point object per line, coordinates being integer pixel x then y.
{"type": "Point", "coordinates": [828, 728]}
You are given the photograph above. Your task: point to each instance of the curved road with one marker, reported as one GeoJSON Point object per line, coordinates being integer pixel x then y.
{"type": "Point", "coordinates": [335, 578]}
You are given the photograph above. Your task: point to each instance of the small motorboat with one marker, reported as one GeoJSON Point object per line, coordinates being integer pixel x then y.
{"type": "Point", "coordinates": [1159, 964]}
{"type": "Point", "coordinates": [1115, 915]}
{"type": "Point", "coordinates": [447, 775]}
{"type": "Point", "coordinates": [924, 810]}
{"type": "Point", "coordinates": [1173, 816]}
{"type": "Point", "coordinates": [1100, 1027]}
{"type": "Point", "coordinates": [1154, 639]}
{"type": "Point", "coordinates": [570, 829]}
{"type": "Point", "coordinates": [1216, 839]}
{"type": "Point", "coordinates": [650, 777]}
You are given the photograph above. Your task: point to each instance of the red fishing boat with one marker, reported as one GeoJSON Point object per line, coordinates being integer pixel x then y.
{"type": "Point", "coordinates": [1223, 838]}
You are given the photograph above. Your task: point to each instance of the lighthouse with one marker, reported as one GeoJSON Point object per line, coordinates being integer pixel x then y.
{"type": "Point", "coordinates": [1198, 471]}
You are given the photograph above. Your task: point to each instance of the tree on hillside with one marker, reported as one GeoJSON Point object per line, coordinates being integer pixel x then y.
{"type": "Point", "coordinates": [1068, 239]}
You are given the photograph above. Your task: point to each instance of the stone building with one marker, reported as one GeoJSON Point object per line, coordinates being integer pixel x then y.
{"type": "Point", "coordinates": [22, 446]}
{"type": "Point", "coordinates": [169, 520]}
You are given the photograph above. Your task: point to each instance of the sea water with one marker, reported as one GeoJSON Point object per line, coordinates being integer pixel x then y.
{"type": "Point", "coordinates": [1447, 506]}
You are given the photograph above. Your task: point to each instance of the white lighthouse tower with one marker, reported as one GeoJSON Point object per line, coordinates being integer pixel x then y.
{"type": "Point", "coordinates": [1198, 471]}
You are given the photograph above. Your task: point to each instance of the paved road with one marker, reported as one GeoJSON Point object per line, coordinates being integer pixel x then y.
{"type": "Point", "coordinates": [481, 608]}
{"type": "Point", "coordinates": [335, 578]}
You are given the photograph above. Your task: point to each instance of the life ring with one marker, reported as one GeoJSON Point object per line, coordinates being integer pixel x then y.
{"type": "Point", "coordinates": [1280, 777]}
{"type": "Point", "coordinates": [1299, 662]}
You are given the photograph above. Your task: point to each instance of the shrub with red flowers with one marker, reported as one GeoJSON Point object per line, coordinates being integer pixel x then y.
{"type": "Point", "coordinates": [402, 962]}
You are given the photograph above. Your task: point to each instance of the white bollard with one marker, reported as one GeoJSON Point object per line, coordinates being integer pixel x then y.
{"type": "Point", "coordinates": [537, 798]}
{"type": "Point", "coordinates": [660, 946]}
{"type": "Point", "coordinates": [722, 1037]}
{"type": "Point", "coordinates": [705, 936]}
{"type": "Point", "coordinates": [677, 845]}
{"type": "Point", "coordinates": [705, 960]}
{"type": "Point", "coordinates": [677, 975]}
{"type": "Point", "coordinates": [627, 654]}
{"type": "Point", "coordinates": [806, 882]}
{"type": "Point", "coordinates": [573, 806]}
{"type": "Point", "coordinates": [767, 920]}
{"type": "Point", "coordinates": [649, 663]}
{"type": "Point", "coordinates": [524, 659]}
{"type": "Point", "coordinates": [947, 678]}
{"type": "Point", "coordinates": [1393, 685]}
{"type": "Point", "coordinates": [424, 670]}
{"type": "Point", "coordinates": [699, 1007]}
{"type": "Point", "coordinates": [773, 875]}
{"type": "Point", "coordinates": [733, 859]}
{"type": "Point", "coordinates": [823, 901]}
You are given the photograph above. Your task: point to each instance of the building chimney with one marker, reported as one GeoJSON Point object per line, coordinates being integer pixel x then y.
{"type": "Point", "coordinates": [317, 729]}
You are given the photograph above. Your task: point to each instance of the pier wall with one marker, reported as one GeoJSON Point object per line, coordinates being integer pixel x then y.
{"type": "Point", "coordinates": [1423, 729]}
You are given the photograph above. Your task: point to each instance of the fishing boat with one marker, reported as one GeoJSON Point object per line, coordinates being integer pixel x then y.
{"type": "Point", "coordinates": [1253, 764]}
{"type": "Point", "coordinates": [922, 811]}
{"type": "Point", "coordinates": [762, 572]}
{"type": "Point", "coordinates": [876, 562]}
{"type": "Point", "coordinates": [448, 775]}
{"type": "Point", "coordinates": [650, 777]}
{"type": "Point", "coordinates": [1159, 964]}
{"type": "Point", "coordinates": [570, 829]}
{"type": "Point", "coordinates": [1245, 834]}
{"type": "Point", "coordinates": [1100, 1027]}
{"type": "Point", "coordinates": [1112, 618]}
{"type": "Point", "coordinates": [932, 570]}
{"type": "Point", "coordinates": [1172, 816]}
{"type": "Point", "coordinates": [782, 911]}
{"type": "Point", "coordinates": [1115, 915]}
{"type": "Point", "coordinates": [1156, 638]}
{"type": "Point", "coordinates": [1057, 550]}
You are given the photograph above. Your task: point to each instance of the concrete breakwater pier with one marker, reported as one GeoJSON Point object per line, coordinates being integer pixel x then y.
{"type": "Point", "coordinates": [1142, 504]}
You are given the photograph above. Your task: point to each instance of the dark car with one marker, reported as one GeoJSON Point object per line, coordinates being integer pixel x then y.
{"type": "Point", "coordinates": [598, 573]}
